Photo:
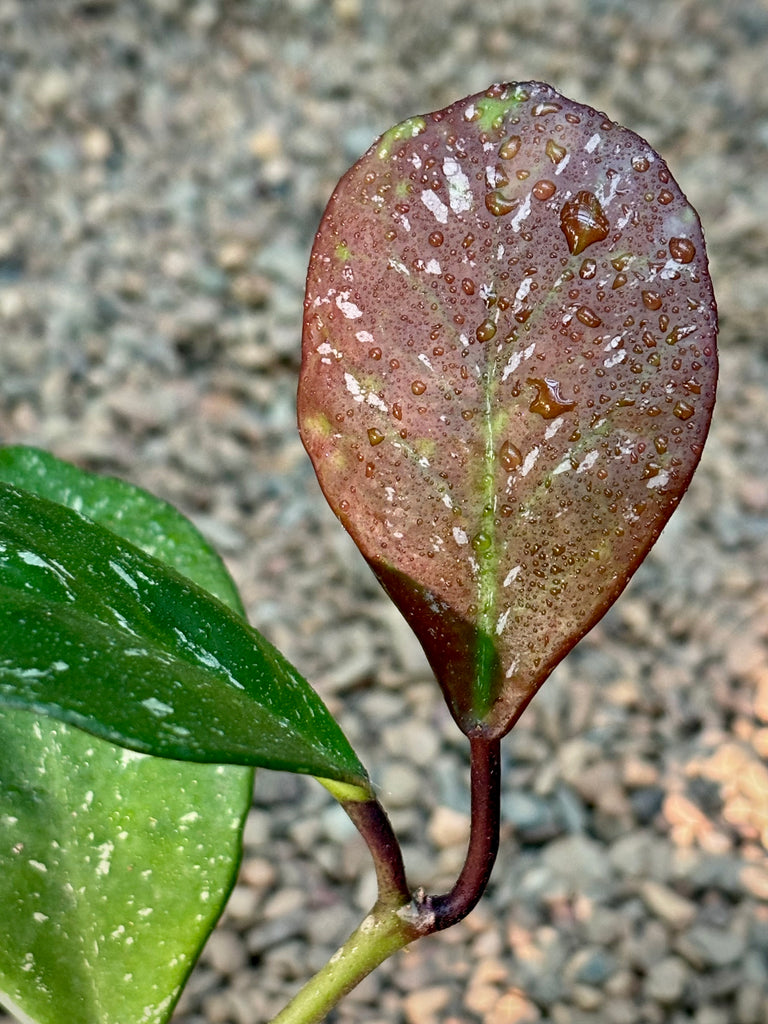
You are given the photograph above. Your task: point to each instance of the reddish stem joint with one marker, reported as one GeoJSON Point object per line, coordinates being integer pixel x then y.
{"type": "Point", "coordinates": [485, 789]}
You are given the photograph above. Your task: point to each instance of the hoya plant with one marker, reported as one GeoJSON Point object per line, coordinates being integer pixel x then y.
{"type": "Point", "coordinates": [508, 375]}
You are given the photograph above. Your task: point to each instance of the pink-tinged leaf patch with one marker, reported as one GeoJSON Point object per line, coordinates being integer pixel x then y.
{"type": "Point", "coordinates": [508, 374]}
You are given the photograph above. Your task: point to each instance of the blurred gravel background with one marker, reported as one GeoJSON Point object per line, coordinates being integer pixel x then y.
{"type": "Point", "coordinates": [163, 167]}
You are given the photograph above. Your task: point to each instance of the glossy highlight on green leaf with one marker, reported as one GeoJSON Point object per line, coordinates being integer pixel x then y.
{"type": "Point", "coordinates": [132, 513]}
{"type": "Point", "coordinates": [103, 636]}
{"type": "Point", "coordinates": [508, 373]}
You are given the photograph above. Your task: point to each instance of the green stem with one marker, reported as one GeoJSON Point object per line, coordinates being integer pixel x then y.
{"type": "Point", "coordinates": [382, 933]}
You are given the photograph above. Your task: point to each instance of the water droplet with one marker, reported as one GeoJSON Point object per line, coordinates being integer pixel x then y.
{"type": "Point", "coordinates": [510, 147]}
{"type": "Point", "coordinates": [583, 221]}
{"type": "Point", "coordinates": [418, 387]}
{"type": "Point", "coordinates": [555, 151]}
{"type": "Point", "coordinates": [665, 197]}
{"type": "Point", "coordinates": [683, 410]}
{"type": "Point", "coordinates": [588, 269]}
{"type": "Point", "coordinates": [588, 317]}
{"type": "Point", "coordinates": [682, 249]}
{"type": "Point", "coordinates": [544, 189]}
{"type": "Point", "coordinates": [486, 330]}
{"type": "Point", "coordinates": [482, 543]}
{"type": "Point", "coordinates": [545, 107]}
{"type": "Point", "coordinates": [640, 163]}
{"type": "Point", "coordinates": [397, 411]}
{"type": "Point", "coordinates": [467, 414]}
{"type": "Point", "coordinates": [548, 403]}
{"type": "Point", "coordinates": [468, 286]}
{"type": "Point", "coordinates": [510, 457]}
{"type": "Point", "coordinates": [498, 204]}
{"type": "Point", "coordinates": [619, 281]}
{"type": "Point", "coordinates": [374, 353]}
{"type": "Point", "coordinates": [499, 176]}
{"type": "Point", "coordinates": [436, 238]}
{"type": "Point", "coordinates": [370, 468]}
{"type": "Point", "coordinates": [652, 300]}
{"type": "Point", "coordinates": [375, 436]}
{"type": "Point", "coordinates": [661, 444]}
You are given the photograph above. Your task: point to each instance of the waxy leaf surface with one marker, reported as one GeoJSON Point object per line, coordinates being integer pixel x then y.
{"type": "Point", "coordinates": [114, 866]}
{"type": "Point", "coordinates": [508, 374]}
{"type": "Point", "coordinates": [100, 634]}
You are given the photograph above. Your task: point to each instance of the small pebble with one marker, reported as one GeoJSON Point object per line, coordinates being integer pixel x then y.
{"type": "Point", "coordinates": [424, 1005]}
{"type": "Point", "coordinates": [225, 952]}
{"type": "Point", "coordinates": [667, 905]}
{"type": "Point", "coordinates": [448, 827]}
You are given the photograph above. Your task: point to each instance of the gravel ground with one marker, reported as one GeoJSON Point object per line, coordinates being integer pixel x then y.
{"type": "Point", "coordinates": [164, 166]}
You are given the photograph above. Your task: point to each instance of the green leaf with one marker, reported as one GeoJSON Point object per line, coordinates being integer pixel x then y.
{"type": "Point", "coordinates": [132, 513]}
{"type": "Point", "coordinates": [114, 866]}
{"type": "Point", "coordinates": [508, 374]}
{"type": "Point", "coordinates": [105, 637]}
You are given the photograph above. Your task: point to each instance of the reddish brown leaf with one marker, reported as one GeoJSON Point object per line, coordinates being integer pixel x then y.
{"type": "Point", "coordinates": [508, 374]}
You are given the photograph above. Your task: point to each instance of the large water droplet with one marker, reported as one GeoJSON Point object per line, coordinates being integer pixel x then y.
{"type": "Point", "coordinates": [375, 436]}
{"type": "Point", "coordinates": [682, 249]}
{"type": "Point", "coordinates": [548, 403]}
{"type": "Point", "coordinates": [510, 457]}
{"type": "Point", "coordinates": [482, 542]}
{"type": "Point", "coordinates": [652, 300]}
{"type": "Point", "coordinates": [498, 204]}
{"type": "Point", "coordinates": [486, 330]}
{"type": "Point", "coordinates": [588, 317]}
{"type": "Point", "coordinates": [683, 410]}
{"type": "Point", "coordinates": [555, 151]}
{"type": "Point", "coordinates": [545, 107]}
{"type": "Point", "coordinates": [418, 387]}
{"type": "Point", "coordinates": [583, 221]}
{"type": "Point", "coordinates": [544, 189]}
{"type": "Point", "coordinates": [510, 147]}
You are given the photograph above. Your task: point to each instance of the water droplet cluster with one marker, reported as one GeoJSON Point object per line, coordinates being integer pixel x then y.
{"type": "Point", "coordinates": [508, 372]}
